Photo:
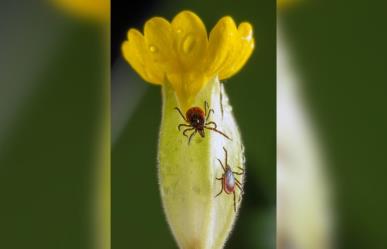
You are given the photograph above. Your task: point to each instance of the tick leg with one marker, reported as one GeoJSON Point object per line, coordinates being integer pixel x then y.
{"type": "Point", "coordinates": [207, 108]}
{"type": "Point", "coordinates": [184, 125]}
{"type": "Point", "coordinates": [238, 182]}
{"type": "Point", "coordinates": [234, 202]}
{"type": "Point", "coordinates": [219, 192]}
{"type": "Point", "coordinates": [238, 173]}
{"type": "Point", "coordinates": [213, 123]}
{"type": "Point", "coordinates": [209, 112]}
{"type": "Point", "coordinates": [181, 114]}
{"type": "Point", "coordinates": [190, 137]}
{"type": "Point", "coordinates": [226, 155]}
{"type": "Point", "coordinates": [189, 129]}
{"type": "Point", "coordinates": [224, 169]}
{"type": "Point", "coordinates": [221, 133]}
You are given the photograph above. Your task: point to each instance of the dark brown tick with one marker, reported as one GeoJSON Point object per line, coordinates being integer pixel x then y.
{"type": "Point", "coordinates": [197, 121]}
{"type": "Point", "coordinates": [228, 180]}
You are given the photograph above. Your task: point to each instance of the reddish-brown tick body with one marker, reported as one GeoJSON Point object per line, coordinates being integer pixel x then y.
{"type": "Point", "coordinates": [197, 120]}
{"type": "Point", "coordinates": [196, 117]}
{"type": "Point", "coordinates": [228, 180]}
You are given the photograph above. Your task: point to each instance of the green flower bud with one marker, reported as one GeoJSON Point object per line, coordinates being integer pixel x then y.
{"type": "Point", "coordinates": [188, 172]}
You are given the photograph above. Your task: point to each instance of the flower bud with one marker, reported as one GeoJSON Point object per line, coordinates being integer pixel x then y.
{"type": "Point", "coordinates": [189, 173]}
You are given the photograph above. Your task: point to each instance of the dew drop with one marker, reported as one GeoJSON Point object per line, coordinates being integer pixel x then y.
{"type": "Point", "coordinates": [248, 36]}
{"type": "Point", "coordinates": [246, 31]}
{"type": "Point", "coordinates": [153, 49]}
{"type": "Point", "coordinates": [188, 44]}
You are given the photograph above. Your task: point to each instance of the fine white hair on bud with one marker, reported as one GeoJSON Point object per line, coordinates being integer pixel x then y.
{"type": "Point", "coordinates": [191, 174]}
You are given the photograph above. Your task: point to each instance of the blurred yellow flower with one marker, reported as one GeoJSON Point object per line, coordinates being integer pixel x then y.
{"type": "Point", "coordinates": [96, 9]}
{"type": "Point", "coordinates": [181, 54]}
{"type": "Point", "coordinates": [283, 4]}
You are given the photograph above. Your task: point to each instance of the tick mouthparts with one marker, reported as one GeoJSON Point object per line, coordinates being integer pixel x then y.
{"type": "Point", "coordinates": [201, 132]}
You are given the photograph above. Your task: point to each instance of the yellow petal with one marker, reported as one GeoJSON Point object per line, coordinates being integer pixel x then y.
{"type": "Point", "coordinates": [135, 52]}
{"type": "Point", "coordinates": [220, 44]}
{"type": "Point", "coordinates": [190, 40]}
{"type": "Point", "coordinates": [242, 49]}
{"type": "Point", "coordinates": [159, 42]}
{"type": "Point", "coordinates": [186, 87]}
{"type": "Point", "coordinates": [179, 53]}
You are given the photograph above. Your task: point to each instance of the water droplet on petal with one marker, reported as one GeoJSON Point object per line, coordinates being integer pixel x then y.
{"type": "Point", "coordinates": [248, 37]}
{"type": "Point", "coordinates": [246, 31]}
{"type": "Point", "coordinates": [153, 49]}
{"type": "Point", "coordinates": [188, 44]}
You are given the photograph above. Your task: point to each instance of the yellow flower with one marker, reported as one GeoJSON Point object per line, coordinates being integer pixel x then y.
{"type": "Point", "coordinates": [284, 4]}
{"type": "Point", "coordinates": [95, 9]}
{"type": "Point", "coordinates": [181, 54]}
{"type": "Point", "coordinates": [188, 63]}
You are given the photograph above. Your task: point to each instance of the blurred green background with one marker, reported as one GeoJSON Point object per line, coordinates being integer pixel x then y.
{"type": "Point", "coordinates": [138, 220]}
{"type": "Point", "coordinates": [53, 78]}
{"type": "Point", "coordinates": [339, 49]}
{"type": "Point", "coordinates": [52, 97]}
